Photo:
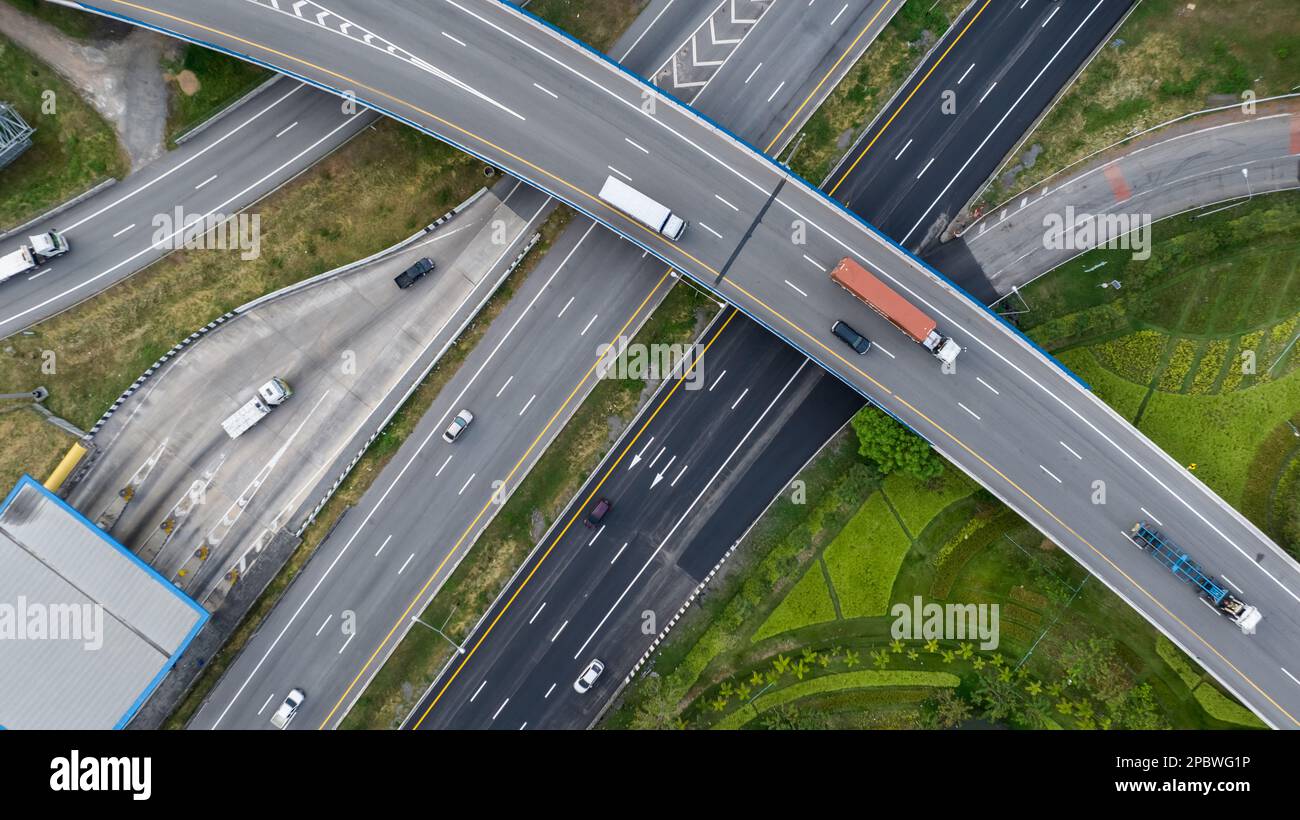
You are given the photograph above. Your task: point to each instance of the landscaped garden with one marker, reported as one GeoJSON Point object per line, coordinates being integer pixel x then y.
{"type": "Point", "coordinates": [1197, 348]}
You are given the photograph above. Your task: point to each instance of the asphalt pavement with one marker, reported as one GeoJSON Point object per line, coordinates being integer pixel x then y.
{"type": "Point", "coordinates": [590, 115]}
{"type": "Point", "coordinates": [1222, 160]}
{"type": "Point", "coordinates": [271, 139]}
{"type": "Point", "coordinates": [203, 506]}
{"type": "Point", "coordinates": [711, 528]}
{"type": "Point", "coordinates": [592, 259]}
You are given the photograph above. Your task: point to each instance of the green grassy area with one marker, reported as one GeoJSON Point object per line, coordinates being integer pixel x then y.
{"type": "Point", "coordinates": [808, 602]}
{"type": "Point", "coordinates": [1070, 654]}
{"type": "Point", "coordinates": [1169, 58]}
{"type": "Point", "coordinates": [870, 83]}
{"type": "Point", "coordinates": [73, 147]}
{"type": "Point", "coordinates": [70, 21]}
{"type": "Point", "coordinates": [202, 82]}
{"type": "Point", "coordinates": [836, 682]}
{"type": "Point", "coordinates": [864, 558]}
{"type": "Point", "coordinates": [32, 444]}
{"type": "Point", "coordinates": [1197, 348]}
{"type": "Point", "coordinates": [532, 507]}
{"type": "Point", "coordinates": [917, 502]}
{"type": "Point", "coordinates": [598, 23]}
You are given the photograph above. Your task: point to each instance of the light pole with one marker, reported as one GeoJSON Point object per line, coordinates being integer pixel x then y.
{"type": "Point", "coordinates": [460, 650]}
{"type": "Point", "coordinates": [1245, 172]}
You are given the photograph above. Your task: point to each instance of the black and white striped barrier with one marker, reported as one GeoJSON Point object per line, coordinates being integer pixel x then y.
{"type": "Point", "coordinates": [663, 633]}
{"type": "Point", "coordinates": [144, 377]}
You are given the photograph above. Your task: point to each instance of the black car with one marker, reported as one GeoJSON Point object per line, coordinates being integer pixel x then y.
{"type": "Point", "coordinates": [851, 337]}
{"type": "Point", "coordinates": [414, 273]}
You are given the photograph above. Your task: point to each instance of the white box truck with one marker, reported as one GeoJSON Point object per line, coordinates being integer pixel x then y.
{"type": "Point", "coordinates": [43, 248]}
{"type": "Point", "coordinates": [642, 208]}
{"type": "Point", "coordinates": [269, 396]}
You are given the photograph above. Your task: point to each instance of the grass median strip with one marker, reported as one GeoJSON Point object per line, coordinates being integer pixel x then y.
{"type": "Point", "coordinates": [389, 181]}
{"type": "Point", "coordinates": [376, 190]}
{"type": "Point", "coordinates": [831, 130]}
{"type": "Point", "coordinates": [598, 23]}
{"type": "Point", "coordinates": [522, 520]}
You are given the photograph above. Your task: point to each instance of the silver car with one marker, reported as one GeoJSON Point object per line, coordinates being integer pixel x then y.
{"type": "Point", "coordinates": [288, 709]}
{"type": "Point", "coordinates": [457, 426]}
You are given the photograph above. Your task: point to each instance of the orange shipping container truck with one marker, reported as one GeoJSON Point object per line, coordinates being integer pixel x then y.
{"type": "Point", "coordinates": [901, 313]}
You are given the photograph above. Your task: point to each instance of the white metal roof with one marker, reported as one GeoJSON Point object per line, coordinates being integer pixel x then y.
{"type": "Point", "coordinates": [114, 626]}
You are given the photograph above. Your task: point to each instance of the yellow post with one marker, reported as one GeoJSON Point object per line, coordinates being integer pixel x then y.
{"type": "Point", "coordinates": [75, 454]}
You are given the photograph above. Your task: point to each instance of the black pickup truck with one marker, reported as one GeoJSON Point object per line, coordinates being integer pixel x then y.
{"type": "Point", "coordinates": [414, 273]}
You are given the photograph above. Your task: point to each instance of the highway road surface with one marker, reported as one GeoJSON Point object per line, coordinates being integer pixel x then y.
{"type": "Point", "coordinates": [272, 138]}
{"type": "Point", "coordinates": [967, 104]}
{"type": "Point", "coordinates": [1213, 162]}
{"type": "Point", "coordinates": [724, 513]}
{"type": "Point", "coordinates": [1007, 415]}
{"type": "Point", "coordinates": [349, 346]}
{"type": "Point", "coordinates": [677, 508]}
{"type": "Point", "coordinates": [585, 259]}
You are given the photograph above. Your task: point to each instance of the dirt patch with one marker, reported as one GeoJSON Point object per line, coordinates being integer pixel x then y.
{"type": "Point", "coordinates": [187, 82]}
{"type": "Point", "coordinates": [120, 76]}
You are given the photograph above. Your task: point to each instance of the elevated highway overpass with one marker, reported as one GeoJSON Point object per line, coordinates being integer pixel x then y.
{"type": "Point", "coordinates": [504, 87]}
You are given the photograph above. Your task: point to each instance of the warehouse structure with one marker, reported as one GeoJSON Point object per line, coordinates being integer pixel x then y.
{"type": "Point", "coordinates": [87, 630]}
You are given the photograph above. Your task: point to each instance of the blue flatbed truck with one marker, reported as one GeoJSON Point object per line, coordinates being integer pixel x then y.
{"type": "Point", "coordinates": [1169, 554]}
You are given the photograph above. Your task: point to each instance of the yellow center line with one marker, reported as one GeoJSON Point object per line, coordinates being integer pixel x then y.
{"type": "Point", "coordinates": [1022, 491]}
{"type": "Point", "coordinates": [595, 200]}
{"type": "Point", "coordinates": [491, 500]}
{"type": "Point", "coordinates": [729, 281]}
{"type": "Point", "coordinates": [908, 99]}
{"type": "Point", "coordinates": [819, 85]}
{"type": "Point", "coordinates": [577, 513]}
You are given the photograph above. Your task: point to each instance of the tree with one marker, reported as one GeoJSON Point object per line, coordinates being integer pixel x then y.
{"type": "Point", "coordinates": [893, 447]}
{"type": "Point", "coordinates": [946, 710]}
{"type": "Point", "coordinates": [656, 709]}
{"type": "Point", "coordinates": [1138, 710]}
{"type": "Point", "coordinates": [786, 716]}
{"type": "Point", "coordinates": [998, 700]}
{"type": "Point", "coordinates": [1096, 665]}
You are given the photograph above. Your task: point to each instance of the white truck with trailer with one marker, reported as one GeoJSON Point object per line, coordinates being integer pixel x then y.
{"type": "Point", "coordinates": [642, 208]}
{"type": "Point", "coordinates": [269, 396]}
{"type": "Point", "coordinates": [43, 248]}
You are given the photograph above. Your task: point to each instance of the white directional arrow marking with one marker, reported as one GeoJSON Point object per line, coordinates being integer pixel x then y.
{"type": "Point", "coordinates": [660, 476]}
{"type": "Point", "coordinates": [636, 459]}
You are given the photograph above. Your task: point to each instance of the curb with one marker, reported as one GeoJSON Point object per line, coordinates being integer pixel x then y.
{"type": "Point", "coordinates": [1033, 126]}
{"type": "Point", "coordinates": [383, 425]}
{"type": "Point", "coordinates": [58, 209]}
{"type": "Point", "coordinates": [285, 291]}
{"type": "Point", "coordinates": [1045, 183]}
{"type": "Point", "coordinates": [199, 128]}
{"type": "Point", "coordinates": [690, 599]}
